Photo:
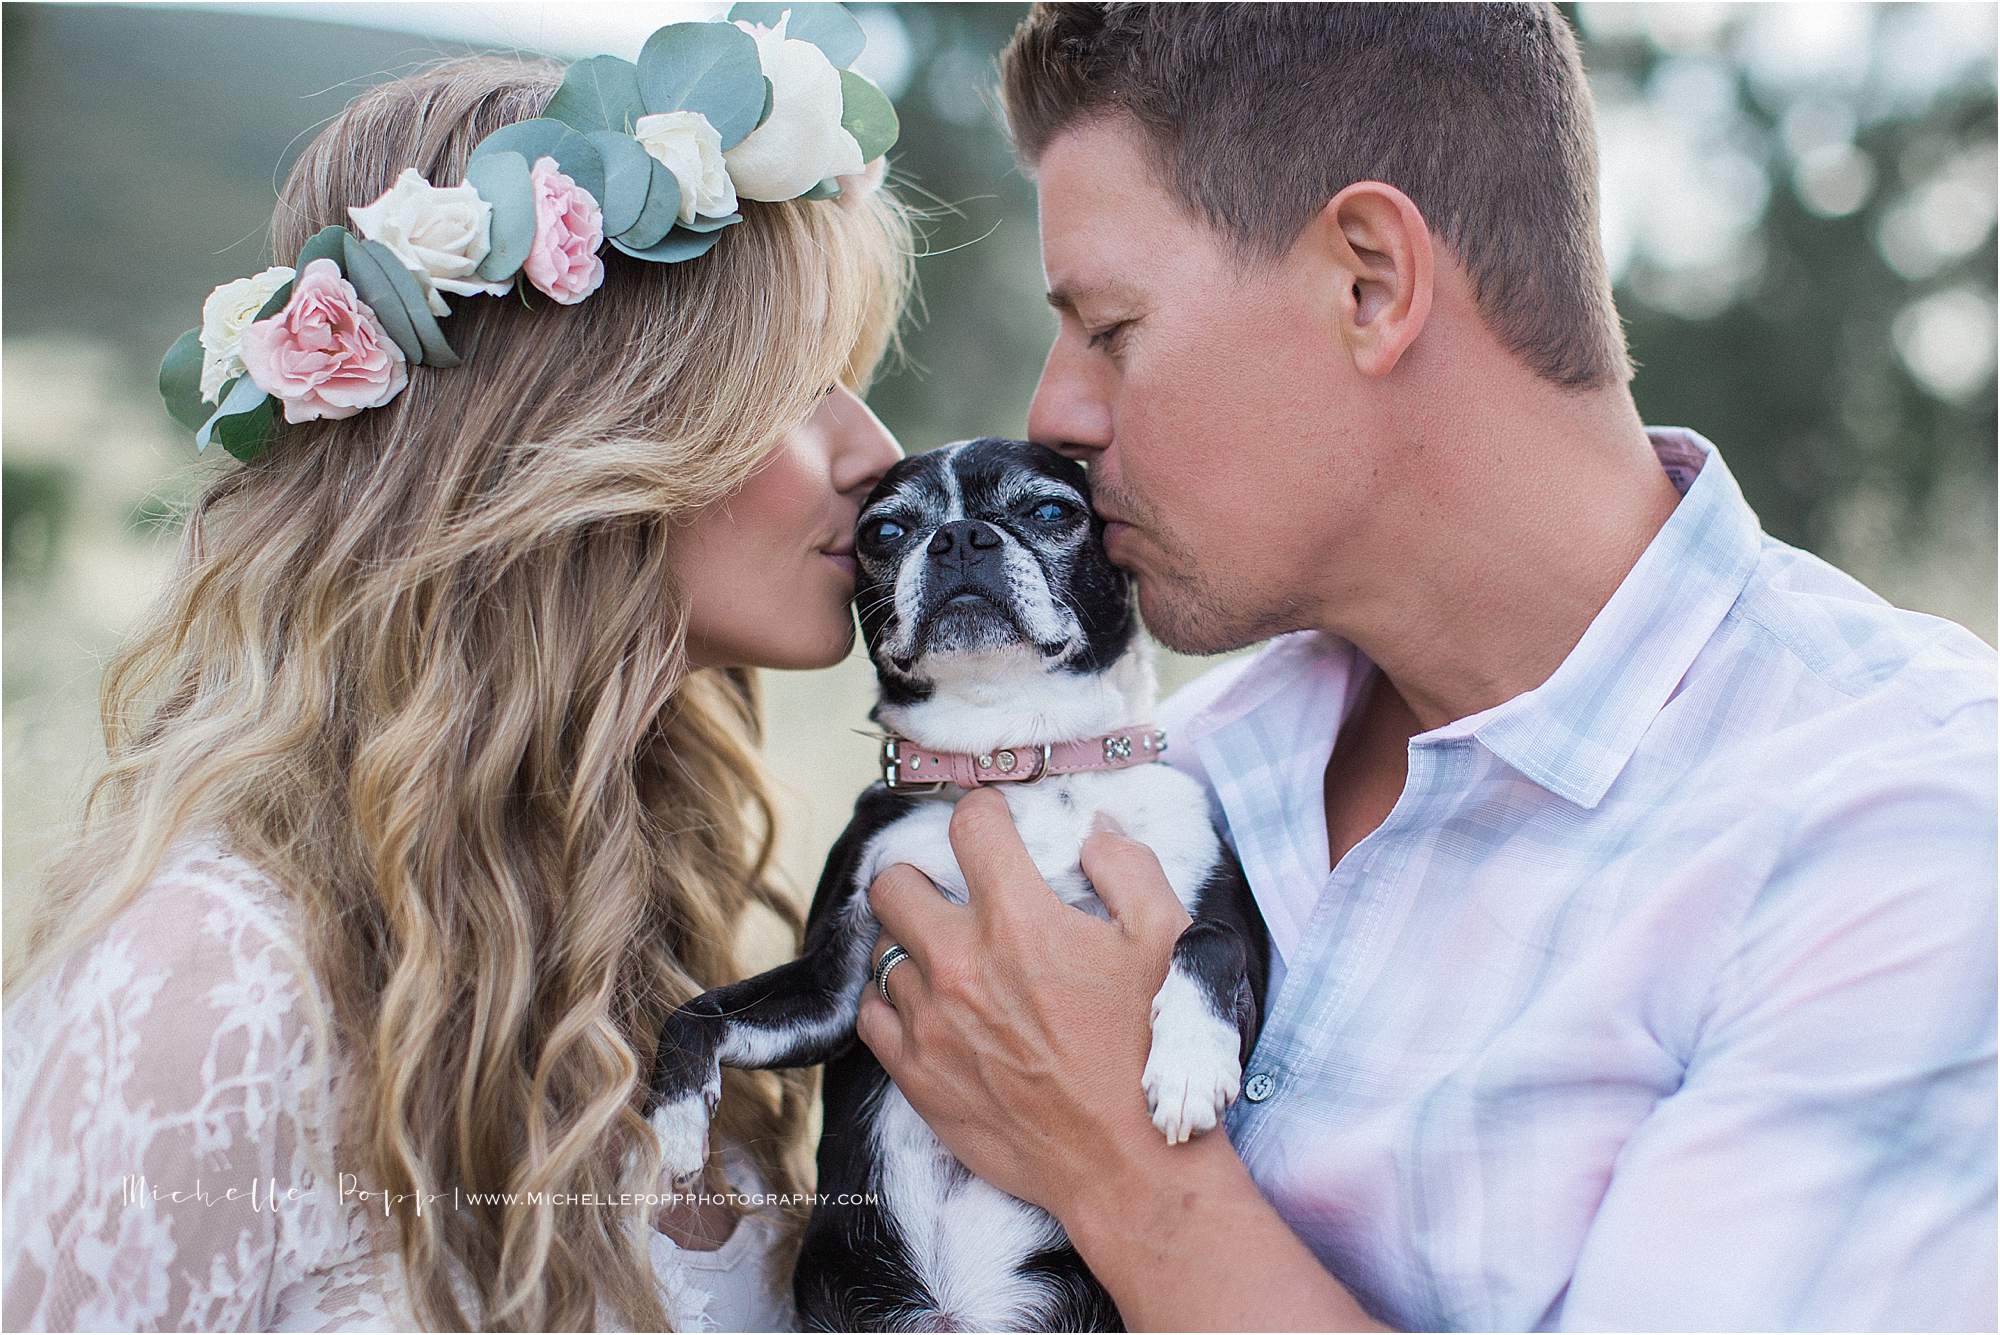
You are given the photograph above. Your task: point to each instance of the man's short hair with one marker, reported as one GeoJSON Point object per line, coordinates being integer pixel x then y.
{"type": "Point", "coordinates": [1261, 113]}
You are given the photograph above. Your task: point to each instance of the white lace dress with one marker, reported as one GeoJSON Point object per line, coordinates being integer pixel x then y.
{"type": "Point", "coordinates": [174, 1055]}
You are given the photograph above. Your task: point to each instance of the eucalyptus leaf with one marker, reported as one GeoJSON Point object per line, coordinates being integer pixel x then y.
{"type": "Point", "coordinates": [410, 290]}
{"type": "Point", "coordinates": [328, 243]}
{"type": "Point", "coordinates": [711, 68]}
{"type": "Point", "coordinates": [662, 211]}
{"type": "Point", "coordinates": [628, 175]}
{"type": "Point", "coordinates": [770, 100]}
{"type": "Point", "coordinates": [601, 93]}
{"type": "Point", "coordinates": [239, 396]}
{"type": "Point", "coordinates": [827, 26]}
{"type": "Point", "coordinates": [180, 381]}
{"type": "Point", "coordinates": [676, 246]}
{"type": "Point", "coordinates": [399, 303]}
{"type": "Point", "coordinates": [501, 178]}
{"type": "Point", "coordinates": [827, 189]}
{"type": "Point", "coordinates": [278, 301]}
{"type": "Point", "coordinates": [701, 224]}
{"type": "Point", "coordinates": [868, 115]}
{"type": "Point", "coordinates": [373, 285]}
{"type": "Point", "coordinates": [576, 157]}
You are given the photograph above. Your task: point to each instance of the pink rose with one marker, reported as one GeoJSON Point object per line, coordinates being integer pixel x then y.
{"type": "Point", "coordinates": [325, 354]}
{"type": "Point", "coordinates": [569, 229]}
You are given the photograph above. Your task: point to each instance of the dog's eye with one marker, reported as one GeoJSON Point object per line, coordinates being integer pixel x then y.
{"type": "Point", "coordinates": [882, 532]}
{"type": "Point", "coordinates": [1052, 512]}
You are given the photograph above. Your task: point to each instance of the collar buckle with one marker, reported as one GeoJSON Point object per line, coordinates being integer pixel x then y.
{"type": "Point", "coordinates": [892, 770]}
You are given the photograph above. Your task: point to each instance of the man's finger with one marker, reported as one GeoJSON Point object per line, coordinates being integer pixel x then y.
{"type": "Point", "coordinates": [908, 906]}
{"type": "Point", "coordinates": [1127, 877]}
{"type": "Point", "coordinates": [878, 1025]}
{"type": "Point", "coordinates": [1001, 879]}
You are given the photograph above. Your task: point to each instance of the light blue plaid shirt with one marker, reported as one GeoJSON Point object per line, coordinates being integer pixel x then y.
{"type": "Point", "coordinates": [1665, 996]}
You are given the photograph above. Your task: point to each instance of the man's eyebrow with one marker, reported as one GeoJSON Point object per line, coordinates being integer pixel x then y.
{"type": "Point", "coordinates": [1064, 296]}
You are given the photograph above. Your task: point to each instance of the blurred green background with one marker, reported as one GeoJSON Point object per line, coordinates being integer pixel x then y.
{"type": "Point", "coordinates": [1799, 212]}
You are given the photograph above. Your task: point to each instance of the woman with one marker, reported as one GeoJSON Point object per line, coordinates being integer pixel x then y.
{"type": "Point", "coordinates": [432, 787]}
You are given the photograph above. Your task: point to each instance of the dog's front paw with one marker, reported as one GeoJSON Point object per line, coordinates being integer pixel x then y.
{"type": "Point", "coordinates": [1192, 1073]}
{"type": "Point", "coordinates": [689, 1087]}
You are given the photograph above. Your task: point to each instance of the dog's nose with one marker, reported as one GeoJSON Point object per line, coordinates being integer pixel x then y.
{"type": "Point", "coordinates": [963, 542]}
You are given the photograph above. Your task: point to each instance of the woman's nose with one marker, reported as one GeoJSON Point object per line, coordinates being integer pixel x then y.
{"type": "Point", "coordinates": [864, 449]}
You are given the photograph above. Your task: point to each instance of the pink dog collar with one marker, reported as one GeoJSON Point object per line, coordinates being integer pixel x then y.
{"type": "Point", "coordinates": [907, 767]}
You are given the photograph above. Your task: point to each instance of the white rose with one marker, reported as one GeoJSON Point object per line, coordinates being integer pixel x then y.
{"type": "Point", "coordinates": [802, 143]}
{"type": "Point", "coordinates": [440, 233]}
{"type": "Point", "coordinates": [226, 313]}
{"type": "Point", "coordinates": [687, 145]}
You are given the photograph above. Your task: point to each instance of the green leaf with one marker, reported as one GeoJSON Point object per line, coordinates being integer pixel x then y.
{"type": "Point", "coordinates": [276, 303]}
{"type": "Point", "coordinates": [601, 93]}
{"type": "Point", "coordinates": [180, 381]}
{"type": "Point", "coordinates": [247, 435]}
{"type": "Point", "coordinates": [387, 285]}
{"type": "Point", "coordinates": [501, 178]}
{"type": "Point", "coordinates": [328, 243]}
{"type": "Point", "coordinates": [662, 211]}
{"type": "Point", "coordinates": [827, 26]}
{"type": "Point", "coordinates": [628, 175]}
{"type": "Point", "coordinates": [576, 157]}
{"type": "Point", "coordinates": [707, 67]}
{"type": "Point", "coordinates": [241, 395]}
{"type": "Point", "coordinates": [827, 189]}
{"type": "Point", "coordinates": [868, 115]}
{"type": "Point", "coordinates": [770, 99]}
{"type": "Point", "coordinates": [701, 224]}
{"type": "Point", "coordinates": [375, 287]}
{"type": "Point", "coordinates": [676, 246]}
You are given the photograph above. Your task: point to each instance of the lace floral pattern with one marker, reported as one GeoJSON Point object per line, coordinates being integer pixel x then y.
{"type": "Point", "coordinates": [171, 1145]}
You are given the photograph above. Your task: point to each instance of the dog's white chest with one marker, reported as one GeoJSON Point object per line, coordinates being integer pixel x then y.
{"type": "Point", "coordinates": [966, 1240]}
{"type": "Point", "coordinates": [1160, 807]}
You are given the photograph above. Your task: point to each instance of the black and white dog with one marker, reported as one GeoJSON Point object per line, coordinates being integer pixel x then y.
{"type": "Point", "coordinates": [1004, 642]}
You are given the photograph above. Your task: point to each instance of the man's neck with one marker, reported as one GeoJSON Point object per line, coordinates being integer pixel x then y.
{"type": "Point", "coordinates": [1541, 511]}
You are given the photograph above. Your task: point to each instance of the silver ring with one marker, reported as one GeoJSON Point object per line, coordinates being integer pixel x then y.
{"type": "Point", "coordinates": [891, 957]}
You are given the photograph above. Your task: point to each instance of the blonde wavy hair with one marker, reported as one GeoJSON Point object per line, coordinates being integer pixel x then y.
{"type": "Point", "coordinates": [425, 667]}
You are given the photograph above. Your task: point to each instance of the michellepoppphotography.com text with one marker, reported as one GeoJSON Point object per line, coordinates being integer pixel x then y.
{"type": "Point", "coordinates": [262, 1194]}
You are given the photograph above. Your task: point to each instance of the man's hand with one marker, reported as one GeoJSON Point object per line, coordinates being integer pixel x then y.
{"type": "Point", "coordinates": [1021, 1025]}
{"type": "Point", "coordinates": [1020, 1033]}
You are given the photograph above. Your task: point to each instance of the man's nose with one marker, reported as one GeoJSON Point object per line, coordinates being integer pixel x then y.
{"type": "Point", "coordinates": [964, 542]}
{"type": "Point", "coordinates": [1071, 411]}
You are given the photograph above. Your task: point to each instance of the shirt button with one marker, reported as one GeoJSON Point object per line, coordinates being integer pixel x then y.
{"type": "Point", "coordinates": [1259, 1087]}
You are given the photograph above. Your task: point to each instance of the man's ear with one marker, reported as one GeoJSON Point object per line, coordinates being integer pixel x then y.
{"type": "Point", "coordinates": [1379, 248]}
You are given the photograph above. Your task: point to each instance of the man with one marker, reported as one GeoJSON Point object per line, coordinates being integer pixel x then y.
{"type": "Point", "coordinates": [1630, 874]}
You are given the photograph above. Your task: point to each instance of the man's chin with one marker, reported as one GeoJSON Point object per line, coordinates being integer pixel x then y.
{"type": "Point", "coordinates": [1188, 622]}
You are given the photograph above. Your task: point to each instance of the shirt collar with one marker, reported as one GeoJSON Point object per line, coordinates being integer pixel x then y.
{"type": "Point", "coordinates": [1574, 734]}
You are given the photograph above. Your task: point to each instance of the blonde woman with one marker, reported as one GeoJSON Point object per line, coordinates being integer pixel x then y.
{"type": "Point", "coordinates": [432, 787]}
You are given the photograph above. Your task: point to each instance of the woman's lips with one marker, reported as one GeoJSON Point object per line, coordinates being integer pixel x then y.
{"type": "Point", "coordinates": [846, 562]}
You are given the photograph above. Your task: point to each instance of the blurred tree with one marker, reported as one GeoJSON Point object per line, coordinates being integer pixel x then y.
{"type": "Point", "coordinates": [1804, 257]}
{"type": "Point", "coordinates": [1840, 345]}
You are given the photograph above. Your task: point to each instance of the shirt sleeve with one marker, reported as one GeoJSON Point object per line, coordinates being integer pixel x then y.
{"type": "Point", "coordinates": [1828, 1162]}
{"type": "Point", "coordinates": [151, 1092]}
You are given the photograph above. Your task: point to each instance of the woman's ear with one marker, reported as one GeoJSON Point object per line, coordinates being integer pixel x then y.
{"type": "Point", "coordinates": [1378, 249]}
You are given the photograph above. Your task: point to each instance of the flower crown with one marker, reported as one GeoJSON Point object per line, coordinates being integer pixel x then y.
{"type": "Point", "coordinates": [654, 156]}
